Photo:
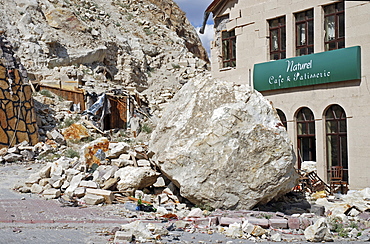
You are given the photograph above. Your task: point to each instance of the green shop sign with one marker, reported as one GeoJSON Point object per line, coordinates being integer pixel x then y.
{"type": "Point", "coordinates": [319, 68]}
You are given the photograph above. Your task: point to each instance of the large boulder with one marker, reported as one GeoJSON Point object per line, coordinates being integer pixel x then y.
{"type": "Point", "coordinates": [224, 146]}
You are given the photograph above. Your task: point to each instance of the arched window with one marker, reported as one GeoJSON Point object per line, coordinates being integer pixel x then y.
{"type": "Point", "coordinates": [336, 138]}
{"type": "Point", "coordinates": [282, 117]}
{"type": "Point", "coordinates": [306, 141]}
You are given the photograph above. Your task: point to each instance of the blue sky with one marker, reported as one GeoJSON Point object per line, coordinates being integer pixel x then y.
{"type": "Point", "coordinates": [194, 10]}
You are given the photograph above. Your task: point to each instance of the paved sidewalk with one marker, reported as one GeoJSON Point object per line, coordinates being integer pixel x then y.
{"type": "Point", "coordinates": [33, 211]}
{"type": "Point", "coordinates": [35, 220]}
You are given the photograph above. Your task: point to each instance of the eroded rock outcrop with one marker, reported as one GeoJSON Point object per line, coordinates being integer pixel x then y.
{"type": "Point", "coordinates": [223, 145]}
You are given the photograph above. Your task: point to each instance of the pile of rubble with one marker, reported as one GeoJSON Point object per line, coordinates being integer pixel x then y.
{"type": "Point", "coordinates": [254, 226]}
{"type": "Point", "coordinates": [106, 172]}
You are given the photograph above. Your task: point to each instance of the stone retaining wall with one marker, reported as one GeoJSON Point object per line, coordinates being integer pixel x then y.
{"type": "Point", "coordinates": [17, 115]}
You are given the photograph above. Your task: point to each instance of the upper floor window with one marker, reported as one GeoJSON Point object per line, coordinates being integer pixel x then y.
{"type": "Point", "coordinates": [228, 49]}
{"type": "Point", "coordinates": [334, 26]}
{"type": "Point", "coordinates": [304, 32]}
{"type": "Point", "coordinates": [277, 38]}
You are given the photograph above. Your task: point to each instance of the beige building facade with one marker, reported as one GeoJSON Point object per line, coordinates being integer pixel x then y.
{"type": "Point", "coordinates": [311, 59]}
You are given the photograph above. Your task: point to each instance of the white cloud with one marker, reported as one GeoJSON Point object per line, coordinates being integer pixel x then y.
{"type": "Point", "coordinates": [207, 37]}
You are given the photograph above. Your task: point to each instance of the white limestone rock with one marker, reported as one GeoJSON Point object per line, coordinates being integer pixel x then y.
{"type": "Point", "coordinates": [45, 171]}
{"type": "Point", "coordinates": [36, 188]}
{"type": "Point", "coordinates": [318, 232]}
{"type": "Point", "coordinates": [51, 193]}
{"type": "Point", "coordinates": [223, 145]}
{"type": "Point", "coordinates": [139, 230]}
{"type": "Point", "coordinates": [92, 199]}
{"type": "Point", "coordinates": [143, 163]}
{"type": "Point", "coordinates": [116, 149]}
{"type": "Point", "coordinates": [133, 178]}
{"type": "Point", "coordinates": [56, 136]}
{"type": "Point", "coordinates": [88, 184]}
{"type": "Point", "coordinates": [75, 182]}
{"type": "Point", "coordinates": [33, 178]}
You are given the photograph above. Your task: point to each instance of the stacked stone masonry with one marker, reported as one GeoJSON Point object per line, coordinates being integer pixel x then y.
{"type": "Point", "coordinates": [17, 116]}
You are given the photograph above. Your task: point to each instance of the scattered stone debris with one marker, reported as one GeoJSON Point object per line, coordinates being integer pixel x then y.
{"type": "Point", "coordinates": [124, 175]}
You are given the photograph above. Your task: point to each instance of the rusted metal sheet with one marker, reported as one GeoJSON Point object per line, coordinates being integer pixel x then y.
{"type": "Point", "coordinates": [77, 96]}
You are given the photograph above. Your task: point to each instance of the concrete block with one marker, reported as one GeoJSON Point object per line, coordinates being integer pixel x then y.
{"type": "Point", "coordinates": [122, 236]}
{"type": "Point", "coordinates": [92, 199]}
{"type": "Point", "coordinates": [107, 195]}
{"type": "Point", "coordinates": [278, 223]}
{"type": "Point", "coordinates": [247, 228]}
{"type": "Point", "coordinates": [51, 193]}
{"type": "Point", "coordinates": [27, 155]}
{"type": "Point", "coordinates": [205, 221]}
{"type": "Point", "coordinates": [294, 223]}
{"type": "Point", "coordinates": [264, 223]}
{"type": "Point", "coordinates": [116, 149]}
{"type": "Point", "coordinates": [317, 210]}
{"type": "Point", "coordinates": [110, 173]}
{"type": "Point", "coordinates": [88, 184]}
{"type": "Point", "coordinates": [13, 150]}
{"type": "Point", "coordinates": [226, 221]}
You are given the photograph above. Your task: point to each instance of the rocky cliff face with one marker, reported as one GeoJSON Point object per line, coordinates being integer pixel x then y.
{"type": "Point", "coordinates": [103, 44]}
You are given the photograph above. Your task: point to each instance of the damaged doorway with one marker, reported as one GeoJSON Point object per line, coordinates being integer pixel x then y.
{"type": "Point", "coordinates": [117, 117]}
